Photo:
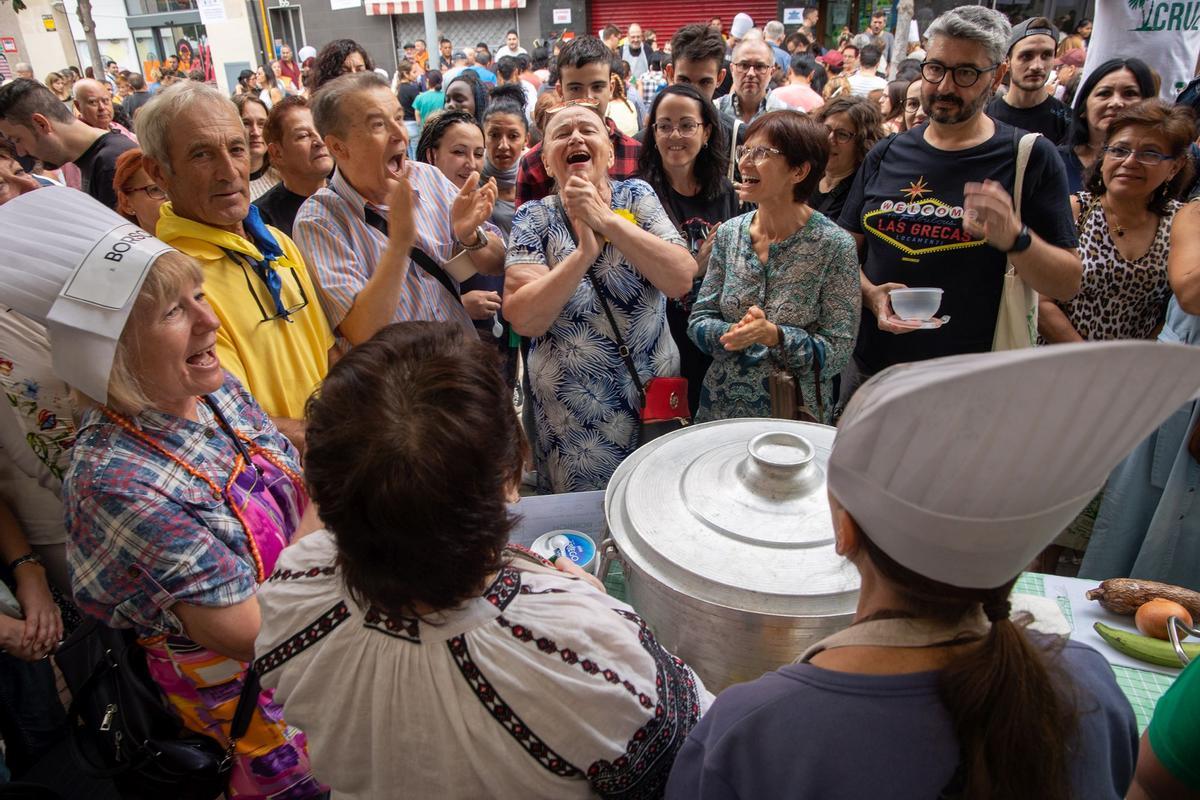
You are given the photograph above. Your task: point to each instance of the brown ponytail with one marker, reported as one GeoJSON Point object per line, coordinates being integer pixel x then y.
{"type": "Point", "coordinates": [1012, 711]}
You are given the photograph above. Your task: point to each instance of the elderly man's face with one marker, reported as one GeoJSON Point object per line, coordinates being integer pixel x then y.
{"type": "Point", "coordinates": [208, 177]}
{"type": "Point", "coordinates": [370, 150]}
{"type": "Point", "coordinates": [635, 35]}
{"type": "Point", "coordinates": [94, 104]}
{"type": "Point", "coordinates": [285, 53]}
{"type": "Point", "coordinates": [14, 180]}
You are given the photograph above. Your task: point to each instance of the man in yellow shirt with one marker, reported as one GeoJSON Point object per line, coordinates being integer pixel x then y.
{"type": "Point", "coordinates": [273, 336]}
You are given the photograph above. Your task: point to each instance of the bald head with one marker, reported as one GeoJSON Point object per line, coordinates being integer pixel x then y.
{"type": "Point", "coordinates": [94, 103]}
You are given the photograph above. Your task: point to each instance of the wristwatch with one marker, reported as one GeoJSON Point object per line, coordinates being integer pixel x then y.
{"type": "Point", "coordinates": [481, 240]}
{"type": "Point", "coordinates": [1022, 242]}
{"type": "Point", "coordinates": [28, 558]}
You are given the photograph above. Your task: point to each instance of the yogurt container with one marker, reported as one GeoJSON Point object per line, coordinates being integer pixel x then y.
{"type": "Point", "coordinates": [579, 547]}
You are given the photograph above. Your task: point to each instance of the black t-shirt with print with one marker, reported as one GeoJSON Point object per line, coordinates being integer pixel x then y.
{"type": "Point", "coordinates": [1051, 118]}
{"type": "Point", "coordinates": [907, 201]}
{"type": "Point", "coordinates": [98, 165]}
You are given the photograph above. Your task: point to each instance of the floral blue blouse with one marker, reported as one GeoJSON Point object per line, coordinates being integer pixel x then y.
{"type": "Point", "coordinates": [809, 287]}
{"type": "Point", "coordinates": [586, 407]}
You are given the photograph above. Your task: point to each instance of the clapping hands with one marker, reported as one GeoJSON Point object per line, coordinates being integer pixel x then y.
{"type": "Point", "coordinates": [753, 328]}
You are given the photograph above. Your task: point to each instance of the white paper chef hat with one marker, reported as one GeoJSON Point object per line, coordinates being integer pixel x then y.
{"type": "Point", "coordinates": [70, 262]}
{"type": "Point", "coordinates": [742, 22]}
{"type": "Point", "coordinates": [962, 469]}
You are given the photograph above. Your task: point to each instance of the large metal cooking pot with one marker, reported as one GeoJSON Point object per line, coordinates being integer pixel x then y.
{"type": "Point", "coordinates": [724, 534]}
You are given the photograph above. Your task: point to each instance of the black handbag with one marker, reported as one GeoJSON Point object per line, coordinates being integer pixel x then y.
{"type": "Point", "coordinates": [121, 728]}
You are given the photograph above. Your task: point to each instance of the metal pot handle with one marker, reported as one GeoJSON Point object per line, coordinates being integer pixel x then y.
{"type": "Point", "coordinates": [608, 554]}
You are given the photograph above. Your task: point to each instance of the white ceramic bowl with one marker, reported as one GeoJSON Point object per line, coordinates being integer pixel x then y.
{"type": "Point", "coordinates": [918, 305]}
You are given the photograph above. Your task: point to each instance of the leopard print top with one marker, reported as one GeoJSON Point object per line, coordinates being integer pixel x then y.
{"type": "Point", "coordinates": [1119, 298]}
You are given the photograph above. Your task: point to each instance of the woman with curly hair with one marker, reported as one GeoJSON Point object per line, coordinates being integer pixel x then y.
{"type": "Point", "coordinates": [339, 57]}
{"type": "Point", "coordinates": [854, 125]}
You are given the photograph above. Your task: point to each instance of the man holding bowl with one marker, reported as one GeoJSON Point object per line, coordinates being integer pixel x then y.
{"type": "Point", "coordinates": [933, 207]}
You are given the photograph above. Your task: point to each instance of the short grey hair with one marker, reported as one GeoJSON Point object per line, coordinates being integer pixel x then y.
{"type": "Point", "coordinates": [328, 100]}
{"type": "Point", "coordinates": [756, 44]}
{"type": "Point", "coordinates": [773, 30]}
{"type": "Point", "coordinates": [975, 24]}
{"type": "Point", "coordinates": [154, 120]}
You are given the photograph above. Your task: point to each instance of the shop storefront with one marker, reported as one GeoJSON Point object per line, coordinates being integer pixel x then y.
{"type": "Point", "coordinates": [162, 28]}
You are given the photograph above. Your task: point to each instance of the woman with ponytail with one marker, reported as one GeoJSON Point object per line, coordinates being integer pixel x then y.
{"type": "Point", "coordinates": [943, 486]}
{"type": "Point", "coordinates": [505, 135]}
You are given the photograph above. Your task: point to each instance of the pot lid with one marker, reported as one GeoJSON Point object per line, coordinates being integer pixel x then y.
{"type": "Point", "coordinates": [735, 512]}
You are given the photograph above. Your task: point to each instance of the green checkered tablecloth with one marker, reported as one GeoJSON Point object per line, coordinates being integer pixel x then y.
{"type": "Point", "coordinates": [1143, 688]}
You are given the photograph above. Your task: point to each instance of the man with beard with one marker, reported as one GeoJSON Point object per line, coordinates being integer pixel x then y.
{"type": "Point", "coordinates": [1026, 104]}
{"type": "Point", "coordinates": [937, 203]}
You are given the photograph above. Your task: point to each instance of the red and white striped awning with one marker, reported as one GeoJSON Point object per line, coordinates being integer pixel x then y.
{"type": "Point", "coordinates": [374, 7]}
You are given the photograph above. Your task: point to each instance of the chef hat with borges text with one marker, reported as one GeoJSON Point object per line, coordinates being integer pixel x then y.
{"type": "Point", "coordinates": [74, 265]}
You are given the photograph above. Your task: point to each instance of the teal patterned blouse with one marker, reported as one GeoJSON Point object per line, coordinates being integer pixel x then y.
{"type": "Point", "coordinates": [809, 287]}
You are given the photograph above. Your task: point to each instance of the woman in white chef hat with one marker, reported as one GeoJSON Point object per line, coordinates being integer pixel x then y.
{"type": "Point", "coordinates": [181, 493]}
{"type": "Point", "coordinates": [946, 478]}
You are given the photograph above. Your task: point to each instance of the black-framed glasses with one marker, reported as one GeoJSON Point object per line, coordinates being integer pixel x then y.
{"type": "Point", "coordinates": [1149, 158]}
{"type": "Point", "coordinates": [282, 312]}
{"type": "Point", "coordinates": [686, 129]}
{"type": "Point", "coordinates": [757, 155]}
{"type": "Point", "coordinates": [840, 135]}
{"type": "Point", "coordinates": [753, 66]}
{"type": "Point", "coordinates": [964, 76]}
{"type": "Point", "coordinates": [912, 104]}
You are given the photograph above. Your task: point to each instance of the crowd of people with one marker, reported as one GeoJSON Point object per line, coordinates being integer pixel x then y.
{"type": "Point", "coordinates": [280, 362]}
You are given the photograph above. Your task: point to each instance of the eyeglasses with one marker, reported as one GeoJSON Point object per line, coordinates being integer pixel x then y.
{"type": "Point", "coordinates": [752, 66]}
{"type": "Point", "coordinates": [757, 155]}
{"type": "Point", "coordinates": [935, 72]}
{"type": "Point", "coordinates": [153, 191]}
{"type": "Point", "coordinates": [1148, 158]}
{"type": "Point", "coordinates": [912, 104]}
{"type": "Point", "coordinates": [686, 129]}
{"type": "Point", "coordinates": [285, 313]}
{"type": "Point", "coordinates": [839, 135]}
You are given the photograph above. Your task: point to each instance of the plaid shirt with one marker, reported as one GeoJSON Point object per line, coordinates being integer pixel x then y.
{"type": "Point", "coordinates": [146, 534]}
{"type": "Point", "coordinates": [533, 183]}
{"type": "Point", "coordinates": [650, 85]}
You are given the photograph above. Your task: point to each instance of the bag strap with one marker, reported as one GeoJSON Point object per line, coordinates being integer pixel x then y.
{"type": "Point", "coordinates": [602, 296]}
{"type": "Point", "coordinates": [435, 270]}
{"type": "Point", "coordinates": [733, 143]}
{"type": "Point", "coordinates": [1024, 150]}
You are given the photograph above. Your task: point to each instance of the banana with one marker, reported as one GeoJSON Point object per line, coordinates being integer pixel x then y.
{"type": "Point", "coordinates": [1144, 648]}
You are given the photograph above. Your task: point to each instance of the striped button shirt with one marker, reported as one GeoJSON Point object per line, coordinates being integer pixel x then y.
{"type": "Point", "coordinates": [343, 251]}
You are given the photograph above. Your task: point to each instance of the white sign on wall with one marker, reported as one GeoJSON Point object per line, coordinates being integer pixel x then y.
{"type": "Point", "coordinates": [562, 16]}
{"type": "Point", "coordinates": [211, 11]}
{"type": "Point", "coordinates": [793, 16]}
{"type": "Point", "coordinates": [338, 5]}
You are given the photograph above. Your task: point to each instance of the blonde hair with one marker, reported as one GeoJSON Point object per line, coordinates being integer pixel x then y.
{"type": "Point", "coordinates": [169, 274]}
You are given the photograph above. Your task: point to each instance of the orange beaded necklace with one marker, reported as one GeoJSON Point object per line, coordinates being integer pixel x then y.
{"type": "Point", "coordinates": [219, 493]}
